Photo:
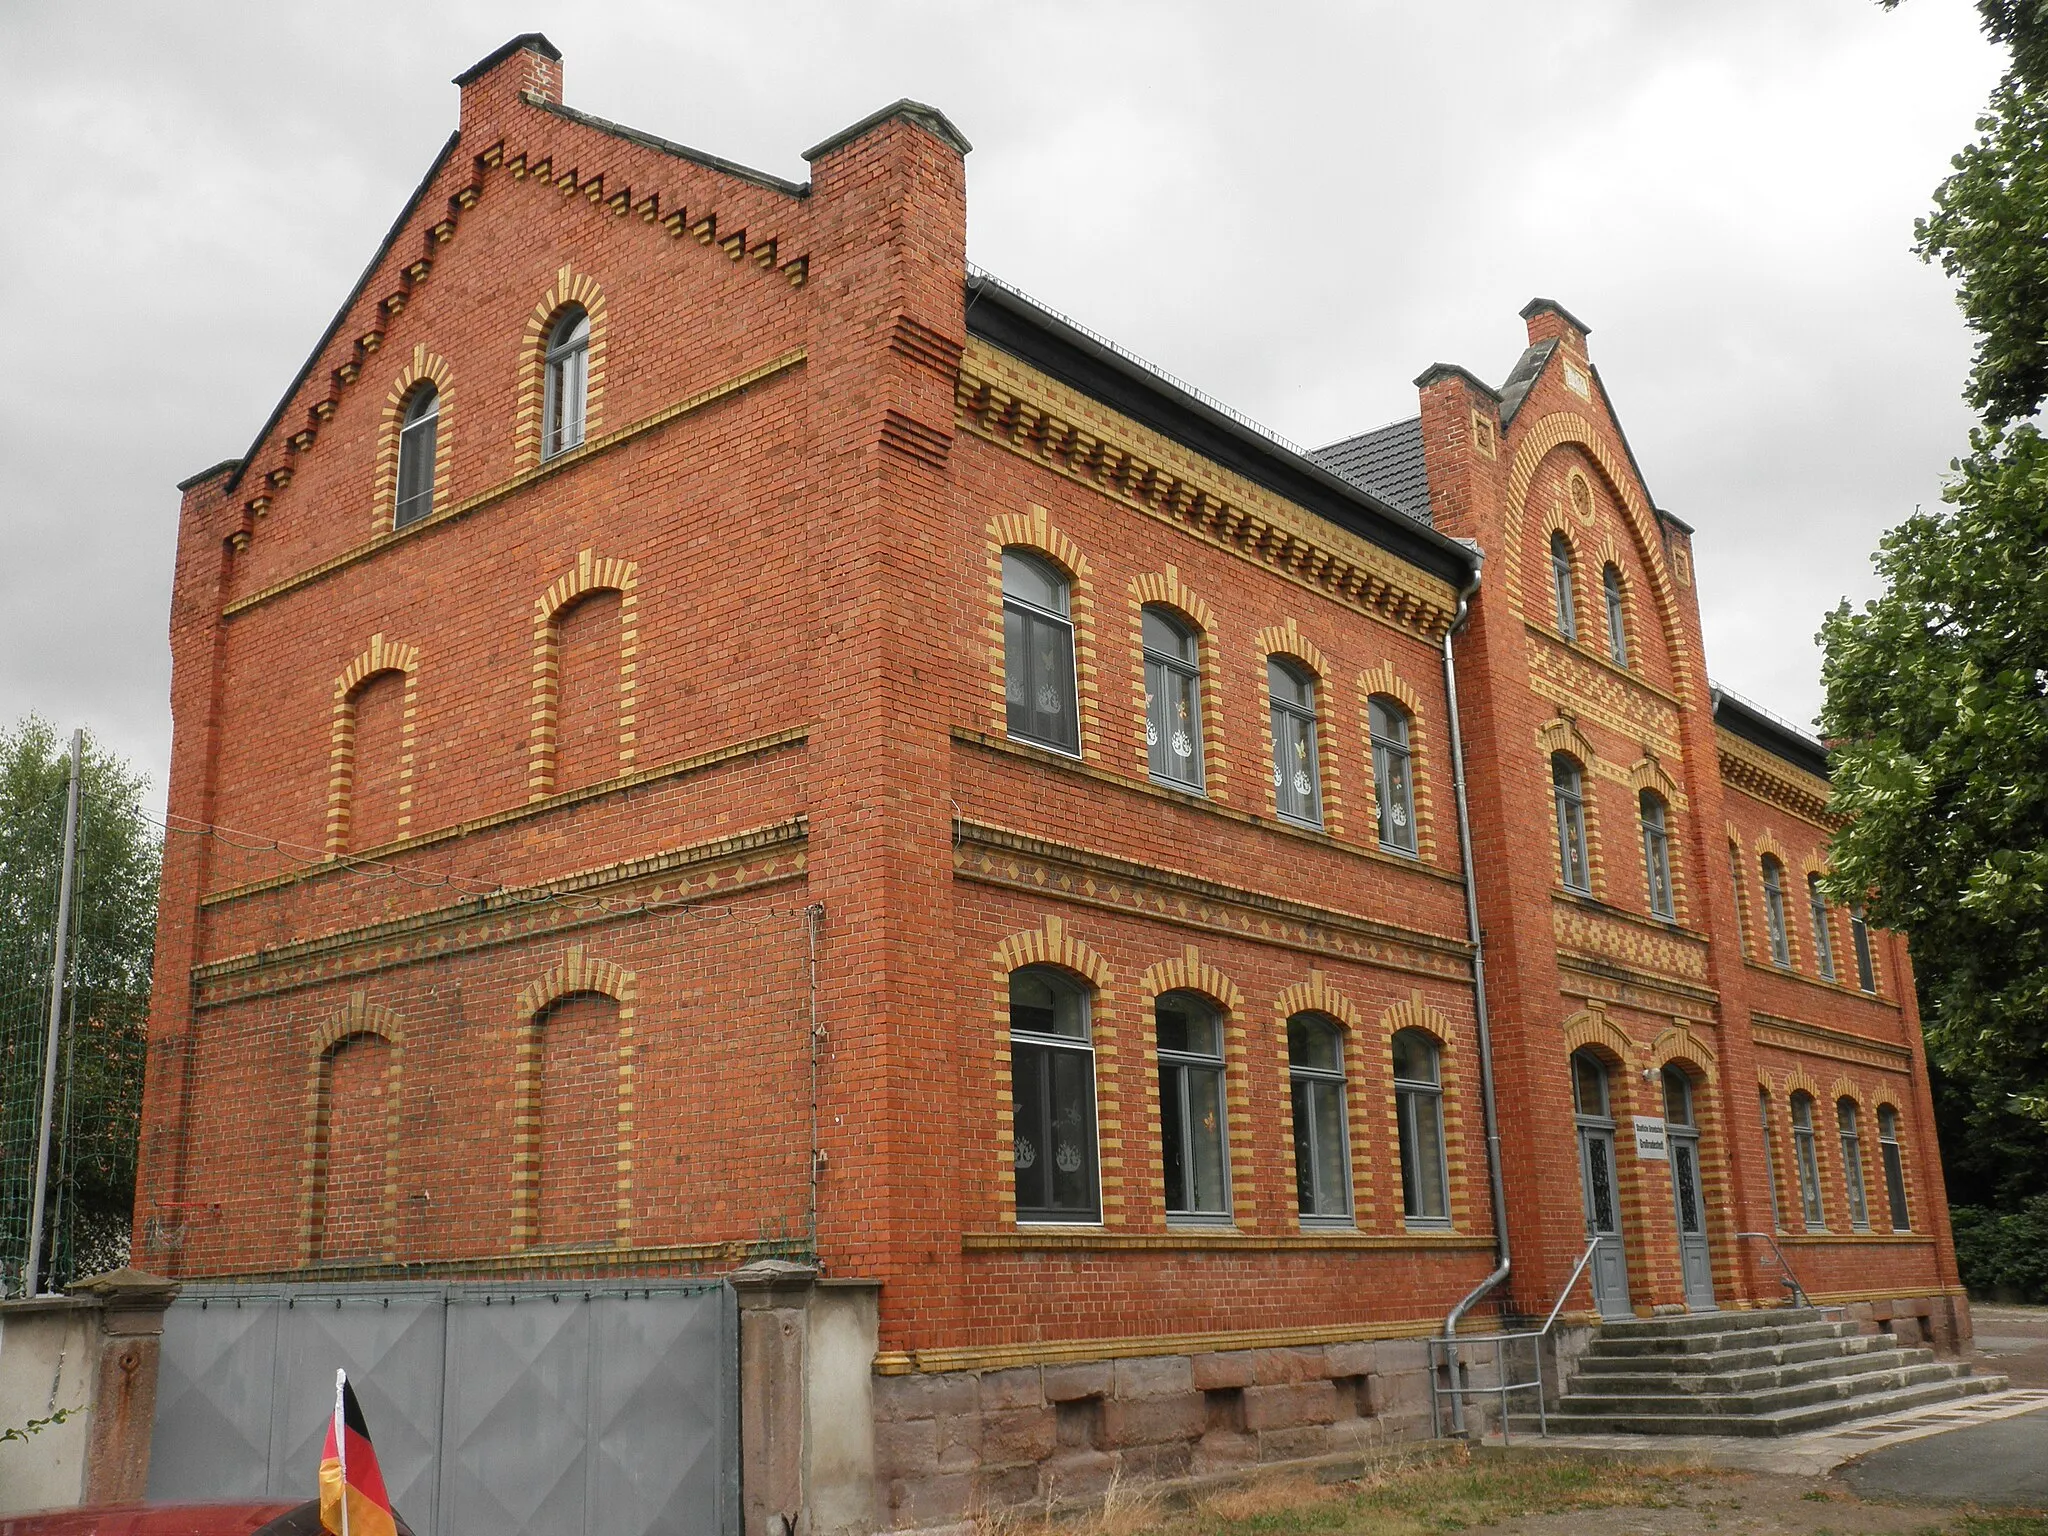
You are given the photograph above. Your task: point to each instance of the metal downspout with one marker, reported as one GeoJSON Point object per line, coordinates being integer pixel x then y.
{"type": "Point", "coordinates": [1500, 1207]}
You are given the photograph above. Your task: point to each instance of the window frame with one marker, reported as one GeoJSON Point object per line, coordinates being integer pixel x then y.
{"type": "Point", "coordinates": [1176, 1065]}
{"type": "Point", "coordinates": [1823, 932]}
{"type": "Point", "coordinates": [1314, 1081]}
{"type": "Point", "coordinates": [1806, 1159]}
{"type": "Point", "coordinates": [1849, 1122]}
{"type": "Point", "coordinates": [1774, 911]}
{"type": "Point", "coordinates": [1568, 798]}
{"type": "Point", "coordinates": [1045, 1044]}
{"type": "Point", "coordinates": [1392, 754]}
{"type": "Point", "coordinates": [1763, 1098]}
{"type": "Point", "coordinates": [1617, 615]}
{"type": "Point", "coordinates": [1302, 718]}
{"type": "Point", "coordinates": [1160, 670]}
{"type": "Point", "coordinates": [1866, 961]}
{"type": "Point", "coordinates": [1657, 854]}
{"type": "Point", "coordinates": [1413, 1098]}
{"type": "Point", "coordinates": [565, 379]}
{"type": "Point", "coordinates": [1894, 1158]}
{"type": "Point", "coordinates": [1567, 610]}
{"type": "Point", "coordinates": [415, 460]}
{"type": "Point", "coordinates": [1032, 615]}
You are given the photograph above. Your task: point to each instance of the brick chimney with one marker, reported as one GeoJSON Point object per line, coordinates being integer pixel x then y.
{"type": "Point", "coordinates": [529, 66]}
{"type": "Point", "coordinates": [1550, 320]}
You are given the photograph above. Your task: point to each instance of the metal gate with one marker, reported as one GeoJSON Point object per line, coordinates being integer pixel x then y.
{"type": "Point", "coordinates": [555, 1411]}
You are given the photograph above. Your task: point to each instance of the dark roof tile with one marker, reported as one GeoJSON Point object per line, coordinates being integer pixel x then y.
{"type": "Point", "coordinates": [1387, 462]}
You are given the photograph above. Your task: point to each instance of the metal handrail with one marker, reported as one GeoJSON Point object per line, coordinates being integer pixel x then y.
{"type": "Point", "coordinates": [1457, 1392]}
{"type": "Point", "coordinates": [1800, 1296]}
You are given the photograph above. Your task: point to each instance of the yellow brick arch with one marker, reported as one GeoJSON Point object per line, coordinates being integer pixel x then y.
{"type": "Point", "coordinates": [1678, 1043]}
{"type": "Point", "coordinates": [1034, 531]}
{"type": "Point", "coordinates": [1165, 588]}
{"type": "Point", "coordinates": [570, 287]}
{"type": "Point", "coordinates": [379, 656]}
{"type": "Point", "coordinates": [1189, 972]}
{"type": "Point", "coordinates": [591, 573]}
{"type": "Point", "coordinates": [1288, 640]}
{"type": "Point", "coordinates": [434, 369]}
{"type": "Point", "coordinates": [1052, 944]}
{"type": "Point", "coordinates": [359, 1018]}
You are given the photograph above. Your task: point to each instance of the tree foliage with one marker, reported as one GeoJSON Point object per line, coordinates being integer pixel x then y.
{"type": "Point", "coordinates": [106, 1005]}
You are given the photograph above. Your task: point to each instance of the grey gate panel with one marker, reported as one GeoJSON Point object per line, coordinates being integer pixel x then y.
{"type": "Point", "coordinates": [495, 1413]}
{"type": "Point", "coordinates": [215, 1384]}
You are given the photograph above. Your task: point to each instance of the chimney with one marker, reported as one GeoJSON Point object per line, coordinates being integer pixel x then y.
{"type": "Point", "coordinates": [527, 67]}
{"type": "Point", "coordinates": [1550, 320]}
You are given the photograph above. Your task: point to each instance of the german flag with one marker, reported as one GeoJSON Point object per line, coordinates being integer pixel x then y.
{"type": "Point", "coordinates": [352, 1497]}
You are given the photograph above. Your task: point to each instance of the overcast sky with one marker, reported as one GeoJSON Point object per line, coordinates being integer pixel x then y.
{"type": "Point", "coordinates": [1296, 207]}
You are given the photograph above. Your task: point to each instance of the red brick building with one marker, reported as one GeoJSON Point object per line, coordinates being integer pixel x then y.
{"type": "Point", "coordinates": [706, 729]}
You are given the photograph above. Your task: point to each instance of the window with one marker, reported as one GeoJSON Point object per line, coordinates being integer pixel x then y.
{"type": "Point", "coordinates": [1657, 854]}
{"type": "Point", "coordinates": [1191, 1107]}
{"type": "Point", "coordinates": [568, 377]}
{"type": "Point", "coordinates": [1894, 1166]}
{"type": "Point", "coordinates": [1741, 894]}
{"type": "Point", "coordinates": [1808, 1160]}
{"type": "Point", "coordinates": [1763, 1104]}
{"type": "Point", "coordinates": [1617, 618]}
{"type": "Point", "coordinates": [1561, 574]}
{"type": "Point", "coordinates": [1774, 910]}
{"type": "Point", "coordinates": [416, 456]}
{"type": "Point", "coordinates": [1393, 779]}
{"type": "Point", "coordinates": [1419, 1112]}
{"type": "Point", "coordinates": [1852, 1164]}
{"type": "Point", "coordinates": [1052, 1080]}
{"type": "Point", "coordinates": [1173, 700]}
{"type": "Point", "coordinates": [1859, 934]}
{"type": "Point", "coordinates": [1038, 655]}
{"type": "Point", "coordinates": [1297, 778]}
{"type": "Point", "coordinates": [1823, 940]}
{"type": "Point", "coordinates": [1322, 1154]}
{"type": "Point", "coordinates": [1571, 823]}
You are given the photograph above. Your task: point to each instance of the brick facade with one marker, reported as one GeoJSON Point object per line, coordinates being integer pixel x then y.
{"type": "Point", "coordinates": [622, 867]}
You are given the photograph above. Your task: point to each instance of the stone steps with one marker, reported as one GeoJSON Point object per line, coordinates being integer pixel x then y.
{"type": "Point", "coordinates": [1774, 1373]}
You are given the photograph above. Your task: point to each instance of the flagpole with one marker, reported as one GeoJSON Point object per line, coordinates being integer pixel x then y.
{"type": "Point", "coordinates": [341, 1443]}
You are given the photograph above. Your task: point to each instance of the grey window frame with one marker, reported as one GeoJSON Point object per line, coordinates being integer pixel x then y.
{"type": "Point", "coordinates": [1033, 617]}
{"type": "Point", "coordinates": [1657, 854]}
{"type": "Point", "coordinates": [1043, 1043]}
{"type": "Point", "coordinates": [1294, 723]}
{"type": "Point", "coordinates": [1561, 580]}
{"type": "Point", "coordinates": [1175, 1070]}
{"type": "Point", "coordinates": [1414, 1098]}
{"type": "Point", "coordinates": [1823, 932]}
{"type": "Point", "coordinates": [1617, 615]}
{"type": "Point", "coordinates": [1763, 1099]}
{"type": "Point", "coordinates": [1568, 795]}
{"type": "Point", "coordinates": [1859, 936]}
{"type": "Point", "coordinates": [418, 442]}
{"type": "Point", "coordinates": [1894, 1167]}
{"type": "Point", "coordinates": [1774, 910]}
{"type": "Point", "coordinates": [1849, 1122]}
{"type": "Point", "coordinates": [1316, 1081]}
{"type": "Point", "coordinates": [565, 387]}
{"type": "Point", "coordinates": [1393, 762]}
{"type": "Point", "coordinates": [1161, 670]}
{"type": "Point", "coordinates": [1806, 1159]}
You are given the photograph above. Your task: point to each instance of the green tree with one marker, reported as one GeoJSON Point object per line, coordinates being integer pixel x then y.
{"type": "Point", "coordinates": [106, 1003]}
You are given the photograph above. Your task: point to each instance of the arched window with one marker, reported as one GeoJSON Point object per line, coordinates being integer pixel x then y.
{"type": "Point", "coordinates": [1297, 776]}
{"type": "Point", "coordinates": [1617, 617]}
{"type": "Point", "coordinates": [1894, 1166]}
{"type": "Point", "coordinates": [1568, 792]}
{"type": "Point", "coordinates": [1561, 574]}
{"type": "Point", "coordinates": [1038, 655]}
{"type": "Point", "coordinates": [1322, 1148]}
{"type": "Point", "coordinates": [1859, 934]}
{"type": "Point", "coordinates": [1823, 937]}
{"type": "Point", "coordinates": [1192, 1135]}
{"type": "Point", "coordinates": [1807, 1158]}
{"type": "Point", "coordinates": [1173, 699]}
{"type": "Point", "coordinates": [1052, 1082]}
{"type": "Point", "coordinates": [1419, 1113]}
{"type": "Point", "coordinates": [567, 383]}
{"type": "Point", "coordinates": [1657, 853]}
{"type": "Point", "coordinates": [1393, 779]}
{"type": "Point", "coordinates": [1774, 910]}
{"type": "Point", "coordinates": [416, 456]}
{"type": "Point", "coordinates": [1763, 1104]}
{"type": "Point", "coordinates": [1852, 1163]}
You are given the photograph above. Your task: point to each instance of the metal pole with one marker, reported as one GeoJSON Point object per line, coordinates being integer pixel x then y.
{"type": "Point", "coordinates": [33, 1279]}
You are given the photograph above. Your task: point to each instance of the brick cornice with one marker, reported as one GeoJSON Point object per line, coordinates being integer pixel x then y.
{"type": "Point", "coordinates": [1774, 781]}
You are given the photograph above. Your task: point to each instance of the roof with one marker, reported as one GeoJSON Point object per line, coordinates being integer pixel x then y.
{"type": "Point", "coordinates": [1387, 462]}
{"type": "Point", "coordinates": [1521, 378]}
{"type": "Point", "coordinates": [1539, 306]}
{"type": "Point", "coordinates": [931, 119]}
{"type": "Point", "coordinates": [681, 151]}
{"type": "Point", "coordinates": [1760, 728]}
{"type": "Point", "coordinates": [535, 41]}
{"type": "Point", "coordinates": [1005, 318]}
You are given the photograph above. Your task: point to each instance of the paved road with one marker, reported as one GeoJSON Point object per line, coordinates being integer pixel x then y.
{"type": "Point", "coordinates": [2013, 1341]}
{"type": "Point", "coordinates": [2003, 1462]}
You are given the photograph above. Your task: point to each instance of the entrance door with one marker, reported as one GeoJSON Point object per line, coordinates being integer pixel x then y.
{"type": "Point", "coordinates": [1609, 1269]}
{"type": "Point", "coordinates": [1688, 1203]}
